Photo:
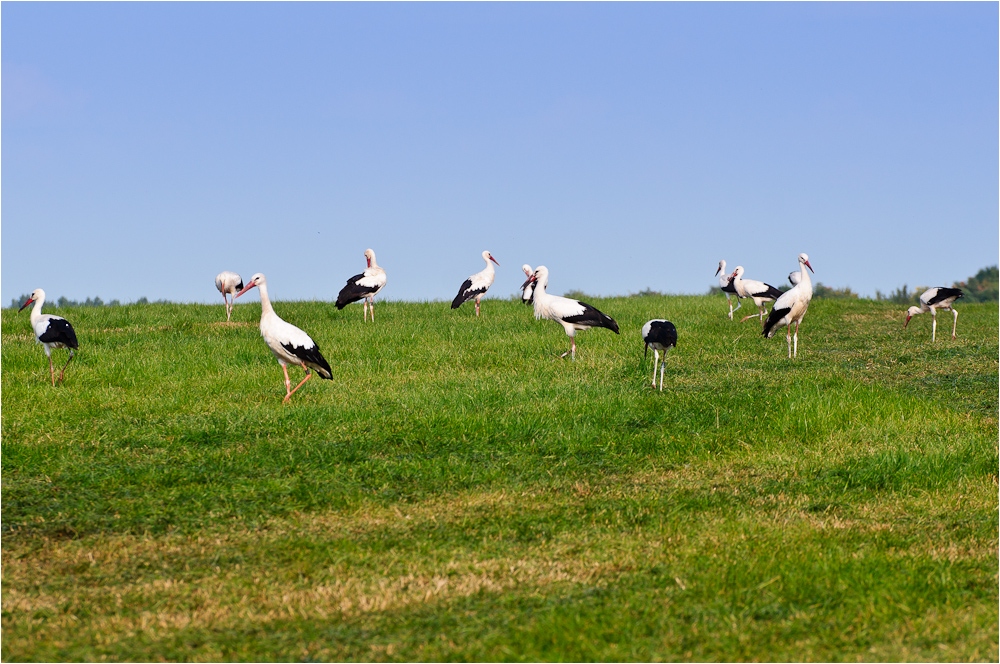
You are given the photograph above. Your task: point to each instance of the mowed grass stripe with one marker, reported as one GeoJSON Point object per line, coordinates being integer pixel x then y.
{"type": "Point", "coordinates": [458, 492]}
{"type": "Point", "coordinates": [320, 567]}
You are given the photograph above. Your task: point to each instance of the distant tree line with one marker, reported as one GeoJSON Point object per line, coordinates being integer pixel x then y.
{"type": "Point", "coordinates": [89, 302]}
{"type": "Point", "coordinates": [984, 286]}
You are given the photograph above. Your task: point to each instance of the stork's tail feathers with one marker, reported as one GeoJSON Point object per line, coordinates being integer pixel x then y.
{"type": "Point", "coordinates": [771, 324]}
{"type": "Point", "coordinates": [773, 292]}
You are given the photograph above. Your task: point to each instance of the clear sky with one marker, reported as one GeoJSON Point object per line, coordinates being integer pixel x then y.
{"type": "Point", "coordinates": [148, 146]}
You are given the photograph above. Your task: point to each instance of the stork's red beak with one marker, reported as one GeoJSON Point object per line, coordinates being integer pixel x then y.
{"type": "Point", "coordinates": [369, 261]}
{"type": "Point", "coordinates": [30, 300]}
{"type": "Point", "coordinates": [494, 260]}
{"type": "Point", "coordinates": [907, 321]}
{"type": "Point", "coordinates": [806, 263]}
{"type": "Point", "coordinates": [245, 289]}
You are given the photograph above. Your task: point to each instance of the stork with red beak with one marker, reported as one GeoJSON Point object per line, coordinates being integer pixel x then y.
{"type": "Point", "coordinates": [231, 283]}
{"type": "Point", "coordinates": [791, 308]}
{"type": "Point", "coordinates": [51, 331]}
{"type": "Point", "coordinates": [476, 285]}
{"type": "Point", "coordinates": [289, 344]}
{"type": "Point", "coordinates": [364, 286]}
{"type": "Point", "coordinates": [932, 300]}
{"type": "Point", "coordinates": [572, 314]}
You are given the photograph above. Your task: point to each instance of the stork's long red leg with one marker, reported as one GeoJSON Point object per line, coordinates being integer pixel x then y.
{"type": "Point", "coordinates": [308, 374]}
{"type": "Point", "coordinates": [63, 370]}
{"type": "Point", "coordinates": [52, 372]}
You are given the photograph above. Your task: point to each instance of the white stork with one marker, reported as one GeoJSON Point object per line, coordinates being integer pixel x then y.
{"type": "Point", "coordinates": [288, 343]}
{"type": "Point", "coordinates": [364, 286]}
{"type": "Point", "coordinates": [791, 307]}
{"type": "Point", "coordinates": [757, 291]}
{"type": "Point", "coordinates": [51, 331]}
{"type": "Point", "coordinates": [932, 300]}
{"type": "Point", "coordinates": [794, 278]}
{"type": "Point", "coordinates": [726, 284]}
{"type": "Point", "coordinates": [476, 285]}
{"type": "Point", "coordinates": [528, 287]}
{"type": "Point", "coordinates": [228, 282]}
{"type": "Point", "coordinates": [573, 315]}
{"type": "Point", "coordinates": [660, 335]}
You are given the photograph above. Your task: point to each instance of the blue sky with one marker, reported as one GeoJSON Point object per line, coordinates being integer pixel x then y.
{"type": "Point", "coordinates": [148, 146]}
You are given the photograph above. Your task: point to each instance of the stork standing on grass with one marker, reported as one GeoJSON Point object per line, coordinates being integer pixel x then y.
{"type": "Point", "coordinates": [51, 331]}
{"type": "Point", "coordinates": [528, 287]}
{"type": "Point", "coordinates": [791, 308]}
{"type": "Point", "coordinates": [228, 282]}
{"type": "Point", "coordinates": [726, 284]}
{"type": "Point", "coordinates": [932, 300]}
{"type": "Point", "coordinates": [476, 285]}
{"type": "Point", "coordinates": [660, 335]}
{"type": "Point", "coordinates": [572, 314]}
{"type": "Point", "coordinates": [364, 286]}
{"type": "Point", "coordinates": [757, 291]}
{"type": "Point", "coordinates": [289, 344]}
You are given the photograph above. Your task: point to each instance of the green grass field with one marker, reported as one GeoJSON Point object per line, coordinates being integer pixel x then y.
{"type": "Point", "coordinates": [456, 492]}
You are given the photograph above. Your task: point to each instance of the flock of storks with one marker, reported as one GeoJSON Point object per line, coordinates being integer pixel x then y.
{"type": "Point", "coordinates": [290, 345]}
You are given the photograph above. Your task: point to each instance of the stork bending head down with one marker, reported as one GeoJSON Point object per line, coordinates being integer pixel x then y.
{"type": "Point", "coordinates": [933, 299]}
{"type": "Point", "coordinates": [231, 283]}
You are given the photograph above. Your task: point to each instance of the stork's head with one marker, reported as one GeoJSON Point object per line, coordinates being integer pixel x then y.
{"type": "Point", "coordinates": [256, 280]}
{"type": "Point", "coordinates": [527, 270]}
{"type": "Point", "coordinates": [370, 257]}
{"type": "Point", "coordinates": [910, 313]}
{"type": "Point", "coordinates": [722, 267]}
{"type": "Point", "coordinates": [540, 276]}
{"type": "Point", "coordinates": [804, 260]}
{"type": "Point", "coordinates": [738, 272]}
{"type": "Point", "coordinates": [487, 256]}
{"type": "Point", "coordinates": [37, 294]}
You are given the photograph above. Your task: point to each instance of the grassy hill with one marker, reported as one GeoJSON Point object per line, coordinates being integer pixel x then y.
{"type": "Point", "coordinates": [456, 492]}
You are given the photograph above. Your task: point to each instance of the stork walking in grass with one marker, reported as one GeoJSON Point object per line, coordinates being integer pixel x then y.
{"type": "Point", "coordinates": [51, 331]}
{"type": "Point", "coordinates": [933, 299]}
{"type": "Point", "coordinates": [364, 286]}
{"type": "Point", "coordinates": [528, 287]}
{"type": "Point", "coordinates": [231, 283]}
{"type": "Point", "coordinates": [726, 284]}
{"type": "Point", "coordinates": [572, 314]}
{"type": "Point", "coordinates": [661, 336]}
{"type": "Point", "coordinates": [757, 291]}
{"type": "Point", "coordinates": [476, 285]}
{"type": "Point", "coordinates": [289, 344]}
{"type": "Point", "coordinates": [791, 308]}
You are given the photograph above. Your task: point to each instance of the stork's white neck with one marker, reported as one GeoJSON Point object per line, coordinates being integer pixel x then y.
{"type": "Point", "coordinates": [805, 282]}
{"type": "Point", "coordinates": [36, 309]}
{"type": "Point", "coordinates": [265, 302]}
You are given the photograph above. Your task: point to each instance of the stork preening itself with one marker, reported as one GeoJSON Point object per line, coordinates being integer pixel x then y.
{"type": "Point", "coordinates": [794, 278]}
{"type": "Point", "coordinates": [51, 331]}
{"type": "Point", "coordinates": [932, 300]}
{"type": "Point", "coordinates": [364, 286]}
{"type": "Point", "coordinates": [726, 284]}
{"type": "Point", "coordinates": [791, 308]}
{"type": "Point", "coordinates": [289, 344]}
{"type": "Point", "coordinates": [757, 291]}
{"type": "Point", "coordinates": [528, 287]}
{"type": "Point", "coordinates": [229, 282]}
{"type": "Point", "coordinates": [476, 285]}
{"type": "Point", "coordinates": [660, 335]}
{"type": "Point", "coordinates": [572, 314]}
